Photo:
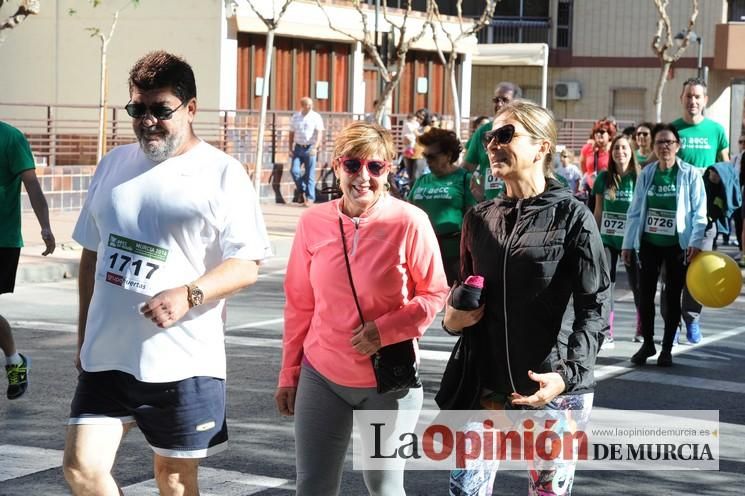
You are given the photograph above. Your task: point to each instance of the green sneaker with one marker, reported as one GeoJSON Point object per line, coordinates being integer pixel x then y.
{"type": "Point", "coordinates": [17, 378]}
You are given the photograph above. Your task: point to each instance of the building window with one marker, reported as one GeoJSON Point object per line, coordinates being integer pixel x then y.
{"type": "Point", "coordinates": [564, 24]}
{"type": "Point", "coordinates": [628, 105]}
{"type": "Point", "coordinates": [736, 11]}
{"type": "Point", "coordinates": [518, 21]}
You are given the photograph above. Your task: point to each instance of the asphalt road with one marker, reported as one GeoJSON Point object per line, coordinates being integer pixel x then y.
{"type": "Point", "coordinates": [260, 460]}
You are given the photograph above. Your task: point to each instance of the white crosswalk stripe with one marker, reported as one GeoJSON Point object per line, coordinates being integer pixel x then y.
{"type": "Point", "coordinates": [216, 482]}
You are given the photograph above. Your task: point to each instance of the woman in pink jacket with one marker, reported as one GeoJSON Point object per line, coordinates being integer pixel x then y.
{"type": "Point", "coordinates": [395, 264]}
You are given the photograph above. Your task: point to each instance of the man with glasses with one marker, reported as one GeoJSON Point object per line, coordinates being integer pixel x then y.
{"type": "Point", "coordinates": [484, 186]}
{"type": "Point", "coordinates": [703, 142]}
{"type": "Point", "coordinates": [306, 136]}
{"type": "Point", "coordinates": [171, 226]}
{"type": "Point", "coordinates": [17, 166]}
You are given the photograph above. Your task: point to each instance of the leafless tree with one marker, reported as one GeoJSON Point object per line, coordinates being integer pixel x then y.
{"type": "Point", "coordinates": [25, 9]}
{"type": "Point", "coordinates": [392, 69]}
{"type": "Point", "coordinates": [665, 49]}
{"type": "Point", "coordinates": [103, 97]}
{"type": "Point", "coordinates": [271, 26]}
{"type": "Point", "coordinates": [454, 40]}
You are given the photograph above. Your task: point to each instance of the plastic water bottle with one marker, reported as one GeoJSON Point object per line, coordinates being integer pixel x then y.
{"type": "Point", "coordinates": [467, 296]}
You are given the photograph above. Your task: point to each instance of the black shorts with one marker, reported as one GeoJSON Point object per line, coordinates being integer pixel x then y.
{"type": "Point", "coordinates": [8, 267]}
{"type": "Point", "coordinates": [182, 419]}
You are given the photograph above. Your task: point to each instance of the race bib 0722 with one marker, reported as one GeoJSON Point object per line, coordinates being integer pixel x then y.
{"type": "Point", "coordinates": [493, 182]}
{"type": "Point", "coordinates": [613, 224]}
{"type": "Point", "coordinates": [132, 264]}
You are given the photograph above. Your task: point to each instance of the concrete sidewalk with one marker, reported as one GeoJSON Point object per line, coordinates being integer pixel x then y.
{"type": "Point", "coordinates": [281, 221]}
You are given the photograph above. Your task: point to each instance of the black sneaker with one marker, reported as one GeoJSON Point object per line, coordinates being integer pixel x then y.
{"type": "Point", "coordinates": [17, 378]}
{"type": "Point", "coordinates": [665, 359]}
{"type": "Point", "coordinates": [646, 351]}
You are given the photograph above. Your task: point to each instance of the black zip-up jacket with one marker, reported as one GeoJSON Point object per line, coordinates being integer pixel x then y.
{"type": "Point", "coordinates": [535, 254]}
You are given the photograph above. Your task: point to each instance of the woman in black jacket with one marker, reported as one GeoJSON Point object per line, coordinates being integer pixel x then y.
{"type": "Point", "coordinates": [535, 248]}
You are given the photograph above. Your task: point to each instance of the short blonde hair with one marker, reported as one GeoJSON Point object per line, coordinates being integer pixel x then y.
{"type": "Point", "coordinates": [362, 140]}
{"type": "Point", "coordinates": [538, 122]}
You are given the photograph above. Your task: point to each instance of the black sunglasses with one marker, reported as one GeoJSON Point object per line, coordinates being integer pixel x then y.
{"type": "Point", "coordinates": [160, 111]}
{"type": "Point", "coordinates": [431, 156]}
{"type": "Point", "coordinates": [354, 166]}
{"type": "Point", "coordinates": [642, 133]}
{"type": "Point", "coordinates": [503, 135]}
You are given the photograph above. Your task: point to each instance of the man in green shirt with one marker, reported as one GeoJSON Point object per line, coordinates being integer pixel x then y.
{"type": "Point", "coordinates": [703, 142]}
{"type": "Point", "coordinates": [16, 166]}
{"type": "Point", "coordinates": [483, 185]}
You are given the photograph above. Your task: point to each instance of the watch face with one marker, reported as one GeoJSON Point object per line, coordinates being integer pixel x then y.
{"type": "Point", "coordinates": [197, 296]}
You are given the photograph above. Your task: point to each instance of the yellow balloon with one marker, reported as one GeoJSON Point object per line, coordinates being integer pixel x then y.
{"type": "Point", "coordinates": [714, 279]}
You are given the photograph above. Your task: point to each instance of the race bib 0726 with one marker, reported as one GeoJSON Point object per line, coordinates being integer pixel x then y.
{"type": "Point", "coordinates": [132, 264]}
{"type": "Point", "coordinates": [660, 221]}
{"type": "Point", "coordinates": [613, 224]}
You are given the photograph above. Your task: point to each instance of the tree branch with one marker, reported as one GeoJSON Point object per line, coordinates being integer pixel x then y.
{"type": "Point", "coordinates": [271, 24]}
{"type": "Point", "coordinates": [27, 8]}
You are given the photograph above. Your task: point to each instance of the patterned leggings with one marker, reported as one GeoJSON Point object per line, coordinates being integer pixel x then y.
{"type": "Point", "coordinates": [571, 413]}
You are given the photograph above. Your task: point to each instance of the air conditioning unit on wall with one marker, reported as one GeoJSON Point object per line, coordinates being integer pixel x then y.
{"type": "Point", "coordinates": [567, 90]}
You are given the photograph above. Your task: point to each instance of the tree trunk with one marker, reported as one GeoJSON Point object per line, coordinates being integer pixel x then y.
{"type": "Point", "coordinates": [100, 150]}
{"type": "Point", "coordinates": [664, 70]}
{"type": "Point", "coordinates": [264, 102]}
{"type": "Point", "coordinates": [454, 93]}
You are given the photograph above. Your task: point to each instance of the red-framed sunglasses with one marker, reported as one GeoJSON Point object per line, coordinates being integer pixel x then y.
{"type": "Point", "coordinates": [353, 165]}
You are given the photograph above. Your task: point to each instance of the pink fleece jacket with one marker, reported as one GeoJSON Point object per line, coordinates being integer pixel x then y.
{"type": "Point", "coordinates": [398, 274]}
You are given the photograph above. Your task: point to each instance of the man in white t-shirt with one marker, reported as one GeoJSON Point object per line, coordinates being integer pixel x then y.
{"type": "Point", "coordinates": [170, 227]}
{"type": "Point", "coordinates": [306, 137]}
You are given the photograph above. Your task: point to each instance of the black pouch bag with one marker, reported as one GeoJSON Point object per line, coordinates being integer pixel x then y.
{"type": "Point", "coordinates": [394, 365]}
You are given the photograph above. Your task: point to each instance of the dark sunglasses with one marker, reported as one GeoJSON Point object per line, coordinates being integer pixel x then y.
{"type": "Point", "coordinates": [160, 112]}
{"type": "Point", "coordinates": [503, 135]}
{"type": "Point", "coordinates": [431, 156]}
{"type": "Point", "coordinates": [741, 142]}
{"type": "Point", "coordinates": [642, 133]}
{"type": "Point", "coordinates": [501, 99]}
{"type": "Point", "coordinates": [601, 131]}
{"type": "Point", "coordinates": [665, 143]}
{"type": "Point", "coordinates": [354, 166]}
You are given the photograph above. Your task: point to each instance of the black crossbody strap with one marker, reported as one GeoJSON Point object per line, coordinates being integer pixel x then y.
{"type": "Point", "coordinates": [349, 271]}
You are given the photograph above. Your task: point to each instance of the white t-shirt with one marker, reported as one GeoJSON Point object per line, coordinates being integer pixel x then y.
{"type": "Point", "coordinates": [572, 175]}
{"type": "Point", "coordinates": [156, 227]}
{"type": "Point", "coordinates": [306, 127]}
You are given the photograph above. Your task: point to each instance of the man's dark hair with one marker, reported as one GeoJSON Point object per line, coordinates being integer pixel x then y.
{"type": "Point", "coordinates": [663, 126]}
{"type": "Point", "coordinates": [629, 131]}
{"type": "Point", "coordinates": [445, 139]}
{"type": "Point", "coordinates": [517, 91]}
{"type": "Point", "coordinates": [163, 70]}
{"type": "Point", "coordinates": [695, 81]}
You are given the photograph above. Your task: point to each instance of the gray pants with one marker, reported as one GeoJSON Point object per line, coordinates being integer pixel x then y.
{"type": "Point", "coordinates": [323, 427]}
{"type": "Point", "coordinates": [690, 308]}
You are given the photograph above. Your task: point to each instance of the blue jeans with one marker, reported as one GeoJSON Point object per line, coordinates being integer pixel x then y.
{"type": "Point", "coordinates": [305, 183]}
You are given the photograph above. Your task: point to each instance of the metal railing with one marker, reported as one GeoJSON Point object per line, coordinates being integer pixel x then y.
{"type": "Point", "coordinates": [517, 30]}
{"type": "Point", "coordinates": [67, 134]}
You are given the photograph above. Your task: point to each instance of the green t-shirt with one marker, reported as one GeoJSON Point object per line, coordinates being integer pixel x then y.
{"type": "Point", "coordinates": [613, 222]}
{"type": "Point", "coordinates": [641, 159]}
{"type": "Point", "coordinates": [445, 200]}
{"type": "Point", "coordinates": [476, 154]}
{"type": "Point", "coordinates": [15, 157]}
{"type": "Point", "coordinates": [662, 198]}
{"type": "Point", "coordinates": [701, 143]}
